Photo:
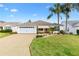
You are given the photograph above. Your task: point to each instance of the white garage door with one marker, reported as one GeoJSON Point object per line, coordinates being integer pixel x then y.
{"type": "Point", "coordinates": [27, 30]}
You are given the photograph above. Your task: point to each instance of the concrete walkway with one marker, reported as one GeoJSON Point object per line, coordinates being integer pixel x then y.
{"type": "Point", "coordinates": [16, 45]}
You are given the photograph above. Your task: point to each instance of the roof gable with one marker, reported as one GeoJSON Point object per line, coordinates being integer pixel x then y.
{"type": "Point", "coordinates": [36, 23]}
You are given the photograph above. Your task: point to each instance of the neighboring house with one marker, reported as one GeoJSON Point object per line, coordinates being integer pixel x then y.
{"type": "Point", "coordinates": [72, 27]}
{"type": "Point", "coordinates": [9, 25]}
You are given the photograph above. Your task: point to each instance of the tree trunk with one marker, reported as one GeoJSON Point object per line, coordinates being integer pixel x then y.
{"type": "Point", "coordinates": [58, 22]}
{"type": "Point", "coordinates": [66, 24]}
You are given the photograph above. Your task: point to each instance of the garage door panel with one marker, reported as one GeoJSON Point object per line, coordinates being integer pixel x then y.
{"type": "Point", "coordinates": [27, 30]}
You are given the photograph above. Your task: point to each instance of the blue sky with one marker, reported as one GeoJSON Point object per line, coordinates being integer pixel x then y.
{"type": "Point", "coordinates": [22, 12]}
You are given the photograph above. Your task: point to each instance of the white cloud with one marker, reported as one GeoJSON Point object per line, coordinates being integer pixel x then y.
{"type": "Point", "coordinates": [42, 18]}
{"type": "Point", "coordinates": [14, 10]}
{"type": "Point", "coordinates": [1, 5]}
{"type": "Point", "coordinates": [6, 9]}
{"type": "Point", "coordinates": [11, 15]}
{"type": "Point", "coordinates": [47, 6]}
{"type": "Point", "coordinates": [34, 14]}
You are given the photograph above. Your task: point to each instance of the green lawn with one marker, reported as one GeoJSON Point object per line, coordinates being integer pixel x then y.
{"type": "Point", "coordinates": [56, 45]}
{"type": "Point", "coordinates": [4, 34]}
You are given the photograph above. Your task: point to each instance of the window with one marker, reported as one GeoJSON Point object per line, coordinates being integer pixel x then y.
{"type": "Point", "coordinates": [46, 29]}
{"type": "Point", "coordinates": [7, 27]}
{"type": "Point", "coordinates": [40, 29]}
{"type": "Point", "coordinates": [1, 28]}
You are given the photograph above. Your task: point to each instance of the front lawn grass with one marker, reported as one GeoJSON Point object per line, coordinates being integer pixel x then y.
{"type": "Point", "coordinates": [4, 34]}
{"type": "Point", "coordinates": [56, 45]}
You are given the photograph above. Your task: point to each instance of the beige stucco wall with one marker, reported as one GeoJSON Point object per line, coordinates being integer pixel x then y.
{"type": "Point", "coordinates": [45, 26]}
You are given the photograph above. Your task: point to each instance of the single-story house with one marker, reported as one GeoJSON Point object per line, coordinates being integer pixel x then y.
{"type": "Point", "coordinates": [72, 26]}
{"type": "Point", "coordinates": [9, 25]}
{"type": "Point", "coordinates": [34, 27]}
{"type": "Point", "coordinates": [28, 27]}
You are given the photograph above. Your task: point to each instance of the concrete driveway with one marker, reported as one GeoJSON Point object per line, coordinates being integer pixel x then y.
{"type": "Point", "coordinates": [16, 45]}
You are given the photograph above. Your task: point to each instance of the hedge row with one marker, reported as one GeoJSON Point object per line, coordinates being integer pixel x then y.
{"type": "Point", "coordinates": [6, 30]}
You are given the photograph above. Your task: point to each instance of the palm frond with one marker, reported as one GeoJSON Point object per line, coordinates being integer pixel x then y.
{"type": "Point", "coordinates": [49, 16]}
{"type": "Point", "coordinates": [51, 9]}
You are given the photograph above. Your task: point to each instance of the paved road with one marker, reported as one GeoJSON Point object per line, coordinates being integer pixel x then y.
{"type": "Point", "coordinates": [16, 45]}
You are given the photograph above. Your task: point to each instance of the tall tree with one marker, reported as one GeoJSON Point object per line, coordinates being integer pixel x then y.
{"type": "Point", "coordinates": [56, 9]}
{"type": "Point", "coordinates": [66, 9]}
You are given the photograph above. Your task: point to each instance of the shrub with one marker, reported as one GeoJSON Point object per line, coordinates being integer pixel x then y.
{"type": "Point", "coordinates": [70, 33]}
{"type": "Point", "coordinates": [6, 30]}
{"type": "Point", "coordinates": [55, 32]}
{"type": "Point", "coordinates": [51, 29]}
{"type": "Point", "coordinates": [77, 32]}
{"type": "Point", "coordinates": [39, 36]}
{"type": "Point", "coordinates": [62, 32]}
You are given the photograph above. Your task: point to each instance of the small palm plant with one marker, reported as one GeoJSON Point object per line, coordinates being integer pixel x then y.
{"type": "Point", "coordinates": [51, 29]}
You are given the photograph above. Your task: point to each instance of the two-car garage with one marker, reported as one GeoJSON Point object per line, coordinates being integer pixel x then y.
{"type": "Point", "coordinates": [27, 30]}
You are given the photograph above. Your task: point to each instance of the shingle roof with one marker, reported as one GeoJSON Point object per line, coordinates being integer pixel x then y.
{"type": "Point", "coordinates": [42, 23]}
{"type": "Point", "coordinates": [72, 23]}
{"type": "Point", "coordinates": [13, 23]}
{"type": "Point", "coordinates": [36, 23]}
{"type": "Point", "coordinates": [76, 25]}
{"type": "Point", "coordinates": [2, 24]}
{"type": "Point", "coordinates": [9, 23]}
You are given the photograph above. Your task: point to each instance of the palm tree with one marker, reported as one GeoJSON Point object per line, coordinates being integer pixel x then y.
{"type": "Point", "coordinates": [55, 10]}
{"type": "Point", "coordinates": [66, 9]}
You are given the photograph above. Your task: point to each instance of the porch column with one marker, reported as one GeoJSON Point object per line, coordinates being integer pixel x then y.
{"type": "Point", "coordinates": [36, 29]}
{"type": "Point", "coordinates": [44, 30]}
